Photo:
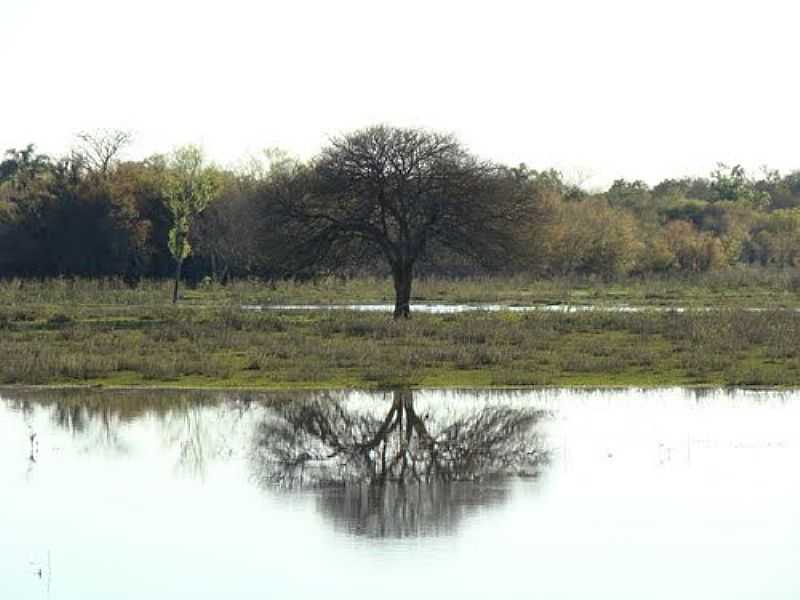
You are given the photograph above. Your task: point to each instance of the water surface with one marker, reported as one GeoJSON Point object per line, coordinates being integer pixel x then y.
{"type": "Point", "coordinates": [553, 494]}
{"type": "Point", "coordinates": [442, 308]}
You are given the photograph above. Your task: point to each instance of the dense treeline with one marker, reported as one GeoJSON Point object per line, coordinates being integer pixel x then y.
{"type": "Point", "coordinates": [92, 214]}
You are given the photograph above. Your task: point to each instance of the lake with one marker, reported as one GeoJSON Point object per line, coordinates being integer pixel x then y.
{"type": "Point", "coordinates": [553, 493]}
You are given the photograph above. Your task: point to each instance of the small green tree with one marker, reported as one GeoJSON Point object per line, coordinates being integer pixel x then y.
{"type": "Point", "coordinates": [189, 186]}
{"type": "Point", "coordinates": [733, 185]}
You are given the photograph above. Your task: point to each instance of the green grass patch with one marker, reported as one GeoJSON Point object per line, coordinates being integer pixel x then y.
{"type": "Point", "coordinates": [216, 344]}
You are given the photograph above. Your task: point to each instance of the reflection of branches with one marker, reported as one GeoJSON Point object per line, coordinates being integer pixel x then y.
{"type": "Point", "coordinates": [397, 509]}
{"type": "Point", "coordinates": [99, 420]}
{"type": "Point", "coordinates": [188, 432]}
{"type": "Point", "coordinates": [72, 417]}
{"type": "Point", "coordinates": [398, 473]}
{"type": "Point", "coordinates": [320, 443]}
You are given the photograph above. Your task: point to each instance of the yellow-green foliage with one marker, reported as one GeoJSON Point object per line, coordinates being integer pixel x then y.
{"type": "Point", "coordinates": [693, 250]}
{"type": "Point", "coordinates": [777, 238]}
{"type": "Point", "coordinates": [591, 237]}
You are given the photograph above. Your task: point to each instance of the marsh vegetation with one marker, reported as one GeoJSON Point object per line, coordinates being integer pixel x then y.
{"type": "Point", "coordinates": [94, 332]}
{"type": "Point", "coordinates": [391, 215]}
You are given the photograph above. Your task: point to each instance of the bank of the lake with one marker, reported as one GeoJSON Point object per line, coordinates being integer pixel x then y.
{"type": "Point", "coordinates": [212, 345]}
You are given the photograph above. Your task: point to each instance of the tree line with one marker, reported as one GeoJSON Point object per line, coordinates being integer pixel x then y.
{"type": "Point", "coordinates": [382, 199]}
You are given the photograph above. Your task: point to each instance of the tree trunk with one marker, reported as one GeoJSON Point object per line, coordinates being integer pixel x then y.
{"type": "Point", "coordinates": [178, 266]}
{"type": "Point", "coordinates": [402, 290]}
{"type": "Point", "coordinates": [214, 277]}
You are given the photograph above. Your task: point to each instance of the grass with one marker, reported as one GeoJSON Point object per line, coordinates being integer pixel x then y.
{"type": "Point", "coordinates": [735, 287]}
{"type": "Point", "coordinates": [102, 333]}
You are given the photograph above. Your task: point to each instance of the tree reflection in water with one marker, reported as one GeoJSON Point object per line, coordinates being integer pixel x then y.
{"type": "Point", "coordinates": [400, 473]}
{"type": "Point", "coordinates": [194, 427]}
{"type": "Point", "coordinates": [400, 468]}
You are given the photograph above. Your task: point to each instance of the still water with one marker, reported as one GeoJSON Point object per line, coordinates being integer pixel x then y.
{"type": "Point", "coordinates": [433, 494]}
{"type": "Point", "coordinates": [443, 309]}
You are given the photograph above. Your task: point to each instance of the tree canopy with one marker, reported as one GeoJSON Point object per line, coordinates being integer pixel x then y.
{"type": "Point", "coordinates": [398, 194]}
{"type": "Point", "coordinates": [385, 201]}
{"type": "Point", "coordinates": [189, 186]}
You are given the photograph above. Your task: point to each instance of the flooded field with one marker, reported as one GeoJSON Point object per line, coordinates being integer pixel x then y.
{"type": "Point", "coordinates": [446, 309]}
{"type": "Point", "coordinates": [668, 493]}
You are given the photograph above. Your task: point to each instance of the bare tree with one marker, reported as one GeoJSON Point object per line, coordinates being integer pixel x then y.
{"type": "Point", "coordinates": [397, 193]}
{"type": "Point", "coordinates": [98, 150]}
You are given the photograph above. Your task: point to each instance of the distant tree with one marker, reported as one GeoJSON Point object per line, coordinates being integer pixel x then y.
{"type": "Point", "coordinates": [397, 193]}
{"type": "Point", "coordinates": [695, 188]}
{"type": "Point", "coordinates": [776, 238]}
{"type": "Point", "coordinates": [58, 221]}
{"type": "Point", "coordinates": [592, 238]}
{"type": "Point", "coordinates": [692, 250]}
{"type": "Point", "coordinates": [137, 188]}
{"type": "Point", "coordinates": [189, 186]}
{"type": "Point", "coordinates": [732, 184]}
{"type": "Point", "coordinates": [628, 194]}
{"type": "Point", "coordinates": [88, 230]}
{"type": "Point", "coordinates": [22, 168]}
{"type": "Point", "coordinates": [226, 234]}
{"type": "Point", "coordinates": [98, 150]}
{"type": "Point", "coordinates": [234, 236]}
{"type": "Point", "coordinates": [782, 190]}
{"type": "Point", "coordinates": [25, 178]}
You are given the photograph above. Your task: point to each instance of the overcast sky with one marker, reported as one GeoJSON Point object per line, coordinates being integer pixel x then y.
{"type": "Point", "coordinates": [605, 89]}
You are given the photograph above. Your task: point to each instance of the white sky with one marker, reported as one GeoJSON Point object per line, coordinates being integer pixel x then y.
{"type": "Point", "coordinates": [639, 89]}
